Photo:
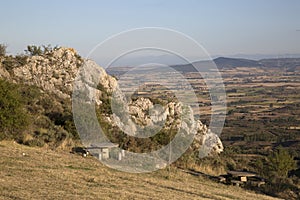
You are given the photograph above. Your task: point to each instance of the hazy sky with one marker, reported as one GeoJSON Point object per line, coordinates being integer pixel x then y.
{"type": "Point", "coordinates": [223, 27]}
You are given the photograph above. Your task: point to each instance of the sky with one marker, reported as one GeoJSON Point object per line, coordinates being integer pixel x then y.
{"type": "Point", "coordinates": [222, 27]}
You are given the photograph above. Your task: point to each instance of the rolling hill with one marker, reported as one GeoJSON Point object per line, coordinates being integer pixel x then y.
{"type": "Point", "coordinates": [287, 64]}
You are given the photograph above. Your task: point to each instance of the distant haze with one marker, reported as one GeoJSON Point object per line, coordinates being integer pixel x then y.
{"type": "Point", "coordinates": [174, 60]}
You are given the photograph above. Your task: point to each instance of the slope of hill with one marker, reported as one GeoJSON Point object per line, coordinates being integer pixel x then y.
{"type": "Point", "coordinates": [288, 64]}
{"type": "Point", "coordinates": [222, 62]}
{"type": "Point", "coordinates": [40, 173]}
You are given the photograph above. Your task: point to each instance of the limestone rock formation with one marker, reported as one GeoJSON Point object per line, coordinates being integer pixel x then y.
{"type": "Point", "coordinates": [53, 72]}
{"type": "Point", "coordinates": [56, 71]}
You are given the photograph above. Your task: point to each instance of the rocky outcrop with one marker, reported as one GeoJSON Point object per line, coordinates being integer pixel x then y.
{"type": "Point", "coordinates": [143, 114]}
{"type": "Point", "coordinates": [92, 80]}
{"type": "Point", "coordinates": [53, 72]}
{"type": "Point", "coordinates": [56, 71]}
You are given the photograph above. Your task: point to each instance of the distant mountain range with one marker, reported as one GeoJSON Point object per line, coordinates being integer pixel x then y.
{"type": "Point", "coordinates": [285, 64]}
{"type": "Point", "coordinates": [223, 62]}
{"type": "Point", "coordinates": [288, 64]}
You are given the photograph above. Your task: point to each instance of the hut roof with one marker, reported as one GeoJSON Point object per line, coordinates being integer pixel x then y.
{"type": "Point", "coordinates": [241, 173]}
{"type": "Point", "coordinates": [103, 145]}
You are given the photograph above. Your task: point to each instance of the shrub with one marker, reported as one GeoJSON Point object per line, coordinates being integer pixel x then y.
{"type": "Point", "coordinates": [13, 117]}
{"type": "Point", "coordinates": [35, 143]}
{"type": "Point", "coordinates": [3, 49]}
{"type": "Point", "coordinates": [21, 59]}
{"type": "Point", "coordinates": [10, 62]}
{"type": "Point", "coordinates": [34, 50]}
{"type": "Point", "coordinates": [281, 162]}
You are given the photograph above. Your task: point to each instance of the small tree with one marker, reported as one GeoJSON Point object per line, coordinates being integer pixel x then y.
{"type": "Point", "coordinates": [49, 48]}
{"type": "Point", "coordinates": [3, 49]}
{"type": "Point", "coordinates": [281, 162]}
{"type": "Point", "coordinates": [34, 50]}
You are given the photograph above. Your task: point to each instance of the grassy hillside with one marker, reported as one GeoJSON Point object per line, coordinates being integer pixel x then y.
{"type": "Point", "coordinates": [40, 173]}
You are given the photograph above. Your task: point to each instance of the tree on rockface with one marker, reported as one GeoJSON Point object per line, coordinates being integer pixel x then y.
{"type": "Point", "coordinates": [34, 50]}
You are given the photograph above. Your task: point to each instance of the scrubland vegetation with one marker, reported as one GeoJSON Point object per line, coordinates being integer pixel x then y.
{"type": "Point", "coordinates": [261, 134]}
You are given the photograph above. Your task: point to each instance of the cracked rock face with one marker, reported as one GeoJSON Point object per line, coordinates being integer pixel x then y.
{"type": "Point", "coordinates": [54, 72]}
{"type": "Point", "coordinates": [143, 113]}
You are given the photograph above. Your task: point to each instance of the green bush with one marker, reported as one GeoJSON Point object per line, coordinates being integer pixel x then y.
{"type": "Point", "coordinates": [10, 62]}
{"type": "Point", "coordinates": [281, 162]}
{"type": "Point", "coordinates": [33, 50]}
{"type": "Point", "coordinates": [13, 116]}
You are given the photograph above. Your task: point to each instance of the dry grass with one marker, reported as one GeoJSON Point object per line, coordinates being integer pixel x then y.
{"type": "Point", "coordinates": [47, 174]}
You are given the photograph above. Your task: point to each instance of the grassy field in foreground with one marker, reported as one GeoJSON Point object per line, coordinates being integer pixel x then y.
{"type": "Point", "coordinates": [47, 174]}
